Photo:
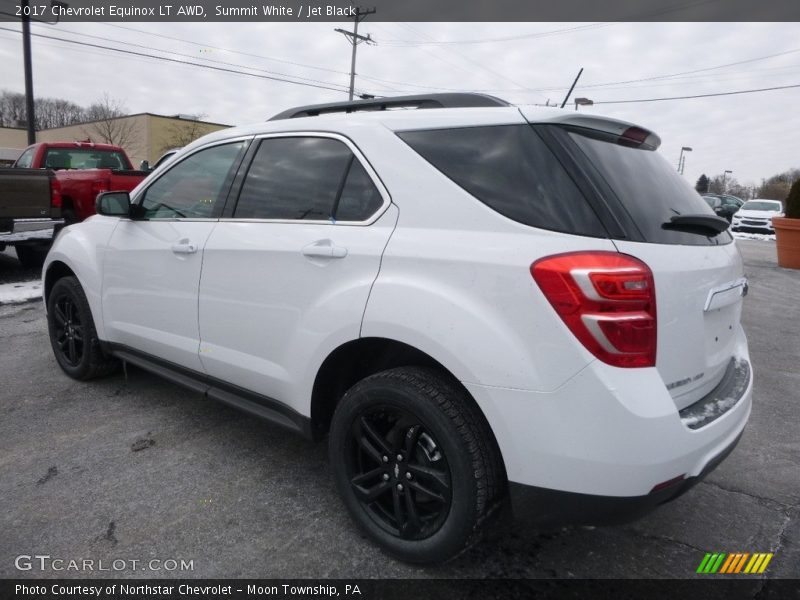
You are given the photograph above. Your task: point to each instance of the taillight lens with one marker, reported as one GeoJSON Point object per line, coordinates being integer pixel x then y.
{"type": "Point", "coordinates": [607, 300]}
{"type": "Point", "coordinates": [55, 193]}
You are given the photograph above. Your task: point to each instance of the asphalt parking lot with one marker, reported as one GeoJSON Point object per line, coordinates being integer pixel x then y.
{"type": "Point", "coordinates": [138, 469]}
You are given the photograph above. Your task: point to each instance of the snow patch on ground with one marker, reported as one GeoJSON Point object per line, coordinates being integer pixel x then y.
{"type": "Point", "coordinates": [22, 236]}
{"type": "Point", "coordinates": [20, 291]}
{"type": "Point", "coordinates": [743, 235]}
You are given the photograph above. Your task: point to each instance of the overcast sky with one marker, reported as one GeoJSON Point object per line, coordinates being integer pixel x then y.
{"type": "Point", "coordinates": [753, 135]}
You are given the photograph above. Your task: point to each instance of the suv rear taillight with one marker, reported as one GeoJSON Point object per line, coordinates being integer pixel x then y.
{"type": "Point", "coordinates": [607, 300]}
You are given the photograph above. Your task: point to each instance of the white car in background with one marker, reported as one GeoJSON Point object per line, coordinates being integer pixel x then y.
{"type": "Point", "coordinates": [756, 215]}
{"type": "Point", "coordinates": [471, 303]}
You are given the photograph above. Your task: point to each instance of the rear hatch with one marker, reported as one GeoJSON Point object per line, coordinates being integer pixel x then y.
{"type": "Point", "coordinates": [661, 220]}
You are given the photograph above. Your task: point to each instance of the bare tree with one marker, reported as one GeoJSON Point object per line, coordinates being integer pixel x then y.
{"type": "Point", "coordinates": [777, 187]}
{"type": "Point", "coordinates": [182, 132]}
{"type": "Point", "coordinates": [12, 109]}
{"type": "Point", "coordinates": [720, 184]}
{"type": "Point", "coordinates": [50, 112]}
{"type": "Point", "coordinates": [105, 123]}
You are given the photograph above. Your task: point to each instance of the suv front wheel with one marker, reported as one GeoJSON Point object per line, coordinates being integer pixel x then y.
{"type": "Point", "coordinates": [415, 463]}
{"type": "Point", "coordinates": [72, 332]}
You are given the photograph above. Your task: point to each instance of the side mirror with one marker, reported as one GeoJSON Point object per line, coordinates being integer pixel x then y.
{"type": "Point", "coordinates": [145, 166]}
{"type": "Point", "coordinates": [113, 204]}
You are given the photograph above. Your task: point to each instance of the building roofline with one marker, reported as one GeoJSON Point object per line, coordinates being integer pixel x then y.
{"type": "Point", "coordinates": [141, 114]}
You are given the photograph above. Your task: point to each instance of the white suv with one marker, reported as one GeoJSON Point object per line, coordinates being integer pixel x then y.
{"type": "Point", "coordinates": [473, 303]}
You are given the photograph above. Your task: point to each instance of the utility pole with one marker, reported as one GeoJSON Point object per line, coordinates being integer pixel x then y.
{"type": "Point", "coordinates": [30, 115]}
{"type": "Point", "coordinates": [355, 39]}
{"type": "Point", "coordinates": [26, 59]}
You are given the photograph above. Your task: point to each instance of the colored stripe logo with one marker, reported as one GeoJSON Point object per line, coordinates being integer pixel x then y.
{"type": "Point", "coordinates": [737, 562]}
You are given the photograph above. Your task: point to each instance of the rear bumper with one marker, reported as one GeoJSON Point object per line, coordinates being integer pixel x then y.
{"type": "Point", "coordinates": [545, 508]}
{"type": "Point", "coordinates": [29, 231]}
{"type": "Point", "coordinates": [616, 433]}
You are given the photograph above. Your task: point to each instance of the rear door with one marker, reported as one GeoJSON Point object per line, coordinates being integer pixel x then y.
{"type": "Point", "coordinates": [698, 272]}
{"type": "Point", "coordinates": [286, 278]}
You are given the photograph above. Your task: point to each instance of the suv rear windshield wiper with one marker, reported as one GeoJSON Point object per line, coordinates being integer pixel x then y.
{"type": "Point", "coordinates": [708, 225]}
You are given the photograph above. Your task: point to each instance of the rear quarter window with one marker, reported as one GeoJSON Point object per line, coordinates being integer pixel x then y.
{"type": "Point", "coordinates": [511, 170]}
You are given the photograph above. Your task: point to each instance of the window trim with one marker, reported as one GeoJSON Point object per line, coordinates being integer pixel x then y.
{"type": "Point", "coordinates": [371, 173]}
{"type": "Point", "coordinates": [237, 165]}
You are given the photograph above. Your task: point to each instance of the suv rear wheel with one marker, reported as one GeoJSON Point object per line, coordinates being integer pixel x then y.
{"type": "Point", "coordinates": [415, 463]}
{"type": "Point", "coordinates": [72, 332]}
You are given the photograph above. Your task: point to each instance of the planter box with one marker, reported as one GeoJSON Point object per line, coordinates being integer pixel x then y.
{"type": "Point", "coordinates": [787, 242]}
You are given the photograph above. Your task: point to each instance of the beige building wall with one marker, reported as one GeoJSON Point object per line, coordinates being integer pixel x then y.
{"type": "Point", "coordinates": [11, 137]}
{"type": "Point", "coordinates": [165, 133]}
{"type": "Point", "coordinates": [143, 137]}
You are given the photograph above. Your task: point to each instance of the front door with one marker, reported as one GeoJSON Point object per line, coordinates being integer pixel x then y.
{"type": "Point", "coordinates": [152, 264]}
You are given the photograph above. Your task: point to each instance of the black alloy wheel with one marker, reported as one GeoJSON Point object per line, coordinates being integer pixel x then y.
{"type": "Point", "coordinates": [69, 331]}
{"type": "Point", "coordinates": [73, 336]}
{"type": "Point", "coordinates": [416, 463]}
{"type": "Point", "coordinates": [399, 472]}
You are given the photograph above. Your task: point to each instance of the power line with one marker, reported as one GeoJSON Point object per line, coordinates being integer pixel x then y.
{"type": "Point", "coordinates": [221, 62]}
{"type": "Point", "coordinates": [703, 70]}
{"type": "Point", "coordinates": [642, 16]}
{"type": "Point", "coordinates": [251, 55]}
{"type": "Point", "coordinates": [468, 59]}
{"type": "Point", "coordinates": [769, 89]}
{"type": "Point", "coordinates": [510, 38]}
{"type": "Point", "coordinates": [181, 62]}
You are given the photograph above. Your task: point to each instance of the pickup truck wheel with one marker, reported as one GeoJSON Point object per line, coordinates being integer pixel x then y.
{"type": "Point", "coordinates": [72, 332]}
{"type": "Point", "coordinates": [415, 463]}
{"type": "Point", "coordinates": [69, 216]}
{"type": "Point", "coordinates": [31, 257]}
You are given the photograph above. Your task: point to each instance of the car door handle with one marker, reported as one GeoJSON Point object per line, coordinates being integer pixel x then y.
{"type": "Point", "coordinates": [324, 249]}
{"type": "Point", "coordinates": [184, 247]}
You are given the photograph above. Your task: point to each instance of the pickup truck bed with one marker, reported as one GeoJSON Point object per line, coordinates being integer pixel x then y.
{"type": "Point", "coordinates": [26, 194]}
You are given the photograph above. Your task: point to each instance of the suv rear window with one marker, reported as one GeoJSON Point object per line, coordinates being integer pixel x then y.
{"type": "Point", "coordinates": [510, 169]}
{"type": "Point", "coordinates": [649, 188]}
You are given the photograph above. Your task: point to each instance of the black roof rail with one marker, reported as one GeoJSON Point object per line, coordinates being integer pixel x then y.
{"type": "Point", "coordinates": [453, 100]}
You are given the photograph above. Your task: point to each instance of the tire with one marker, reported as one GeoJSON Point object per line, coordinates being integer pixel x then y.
{"type": "Point", "coordinates": [416, 464]}
{"type": "Point", "coordinates": [31, 257]}
{"type": "Point", "coordinates": [73, 336]}
{"type": "Point", "coordinates": [69, 216]}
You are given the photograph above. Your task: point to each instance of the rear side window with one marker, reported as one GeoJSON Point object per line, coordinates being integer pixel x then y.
{"type": "Point", "coordinates": [650, 190]}
{"type": "Point", "coordinates": [510, 169]}
{"type": "Point", "coordinates": [26, 160]}
{"type": "Point", "coordinates": [306, 178]}
{"type": "Point", "coordinates": [360, 198]}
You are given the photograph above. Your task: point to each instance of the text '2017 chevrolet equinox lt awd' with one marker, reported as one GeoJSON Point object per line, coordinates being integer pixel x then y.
{"type": "Point", "coordinates": [473, 303]}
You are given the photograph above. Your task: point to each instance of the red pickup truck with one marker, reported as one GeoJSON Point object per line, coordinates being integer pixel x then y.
{"type": "Point", "coordinates": [51, 181]}
{"type": "Point", "coordinates": [83, 170]}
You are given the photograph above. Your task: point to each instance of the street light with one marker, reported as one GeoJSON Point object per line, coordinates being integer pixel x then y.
{"type": "Point", "coordinates": [724, 185]}
{"type": "Point", "coordinates": [583, 102]}
{"type": "Point", "coordinates": [682, 160]}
